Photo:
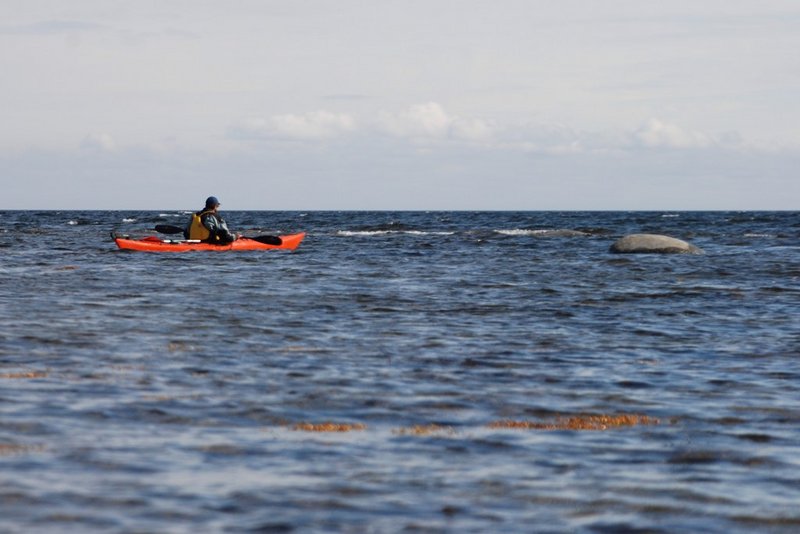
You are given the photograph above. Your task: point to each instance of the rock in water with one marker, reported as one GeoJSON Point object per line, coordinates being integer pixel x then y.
{"type": "Point", "coordinates": [653, 244]}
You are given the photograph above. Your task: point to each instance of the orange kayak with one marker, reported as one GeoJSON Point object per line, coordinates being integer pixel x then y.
{"type": "Point", "coordinates": [155, 244]}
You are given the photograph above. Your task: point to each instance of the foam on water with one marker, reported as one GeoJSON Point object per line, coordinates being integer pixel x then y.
{"type": "Point", "coordinates": [369, 233]}
{"type": "Point", "coordinates": [545, 232]}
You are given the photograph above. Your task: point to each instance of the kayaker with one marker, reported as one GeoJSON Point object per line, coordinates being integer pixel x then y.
{"type": "Point", "coordinates": [208, 225]}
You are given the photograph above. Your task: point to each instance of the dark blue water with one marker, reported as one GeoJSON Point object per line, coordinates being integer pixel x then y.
{"type": "Point", "coordinates": [148, 392]}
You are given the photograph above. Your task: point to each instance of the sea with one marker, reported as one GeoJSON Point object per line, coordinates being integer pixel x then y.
{"type": "Point", "coordinates": [401, 372]}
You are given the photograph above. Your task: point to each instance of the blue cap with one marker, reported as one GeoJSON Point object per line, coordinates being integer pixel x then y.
{"type": "Point", "coordinates": [211, 202]}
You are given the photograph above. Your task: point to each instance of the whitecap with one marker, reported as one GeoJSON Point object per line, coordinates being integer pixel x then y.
{"type": "Point", "coordinates": [550, 232]}
{"type": "Point", "coordinates": [129, 220]}
{"type": "Point", "coordinates": [351, 233]}
{"type": "Point", "coordinates": [420, 232]}
{"type": "Point", "coordinates": [760, 235]}
{"type": "Point", "coordinates": [73, 223]}
{"type": "Point", "coordinates": [517, 232]}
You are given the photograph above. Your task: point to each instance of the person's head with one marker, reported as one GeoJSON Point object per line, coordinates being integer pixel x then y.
{"type": "Point", "coordinates": [212, 203]}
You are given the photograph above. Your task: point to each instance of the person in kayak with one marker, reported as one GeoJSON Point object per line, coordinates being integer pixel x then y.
{"type": "Point", "coordinates": [208, 226]}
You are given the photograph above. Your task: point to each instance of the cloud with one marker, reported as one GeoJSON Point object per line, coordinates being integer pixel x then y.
{"type": "Point", "coordinates": [430, 121]}
{"type": "Point", "coordinates": [472, 129]}
{"type": "Point", "coordinates": [657, 134]}
{"type": "Point", "coordinates": [315, 125]}
{"type": "Point", "coordinates": [547, 139]}
{"type": "Point", "coordinates": [422, 120]}
{"type": "Point", "coordinates": [309, 126]}
{"type": "Point", "coordinates": [419, 123]}
{"type": "Point", "coordinates": [430, 125]}
{"type": "Point", "coordinates": [98, 142]}
{"type": "Point", "coordinates": [652, 134]}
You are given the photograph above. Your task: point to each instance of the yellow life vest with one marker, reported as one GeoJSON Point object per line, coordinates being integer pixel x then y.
{"type": "Point", "coordinates": [196, 228]}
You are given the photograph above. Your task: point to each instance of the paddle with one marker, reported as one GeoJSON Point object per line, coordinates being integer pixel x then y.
{"type": "Point", "coordinates": [168, 229]}
{"type": "Point", "coordinates": [266, 239]}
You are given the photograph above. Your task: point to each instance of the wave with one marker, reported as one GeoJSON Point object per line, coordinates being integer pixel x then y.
{"type": "Point", "coordinates": [550, 232]}
{"type": "Point", "coordinates": [370, 233]}
{"type": "Point", "coordinates": [420, 232]}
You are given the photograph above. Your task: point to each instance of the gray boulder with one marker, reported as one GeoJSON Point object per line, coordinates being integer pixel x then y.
{"type": "Point", "coordinates": [653, 244]}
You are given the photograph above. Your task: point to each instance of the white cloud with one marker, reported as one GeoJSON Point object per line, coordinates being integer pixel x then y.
{"type": "Point", "coordinates": [653, 134]}
{"type": "Point", "coordinates": [472, 129]}
{"type": "Point", "coordinates": [657, 134]}
{"type": "Point", "coordinates": [309, 126]}
{"type": "Point", "coordinates": [422, 120]}
{"type": "Point", "coordinates": [315, 125]}
{"type": "Point", "coordinates": [101, 142]}
{"type": "Point", "coordinates": [430, 121]}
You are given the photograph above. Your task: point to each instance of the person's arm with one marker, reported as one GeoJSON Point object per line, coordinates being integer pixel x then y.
{"type": "Point", "coordinates": [218, 228]}
{"type": "Point", "coordinates": [210, 222]}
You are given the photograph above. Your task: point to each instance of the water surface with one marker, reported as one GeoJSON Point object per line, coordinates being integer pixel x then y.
{"type": "Point", "coordinates": [148, 392]}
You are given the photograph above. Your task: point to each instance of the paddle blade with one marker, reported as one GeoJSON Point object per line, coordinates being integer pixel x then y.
{"type": "Point", "coordinates": [267, 239]}
{"type": "Point", "coordinates": [168, 229]}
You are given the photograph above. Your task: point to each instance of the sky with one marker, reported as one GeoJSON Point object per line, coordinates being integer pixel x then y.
{"type": "Point", "coordinates": [400, 104]}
